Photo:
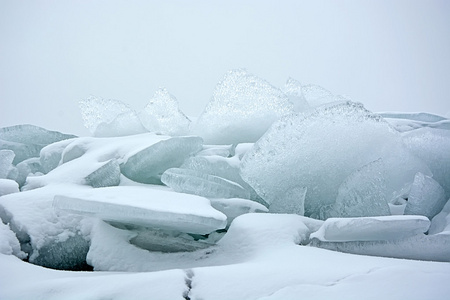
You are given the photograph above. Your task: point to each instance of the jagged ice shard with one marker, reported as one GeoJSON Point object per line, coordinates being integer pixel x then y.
{"type": "Point", "coordinates": [107, 118]}
{"type": "Point", "coordinates": [242, 108]}
{"type": "Point", "coordinates": [162, 115]}
{"type": "Point", "coordinates": [319, 148]}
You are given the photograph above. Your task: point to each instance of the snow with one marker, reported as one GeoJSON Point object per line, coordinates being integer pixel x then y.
{"type": "Point", "coordinates": [294, 196]}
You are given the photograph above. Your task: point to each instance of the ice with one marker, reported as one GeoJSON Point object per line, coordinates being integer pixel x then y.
{"type": "Point", "coordinates": [419, 247]}
{"type": "Point", "coordinates": [242, 108]}
{"type": "Point", "coordinates": [293, 89]}
{"type": "Point", "coordinates": [49, 239]}
{"type": "Point", "coordinates": [426, 197]}
{"type": "Point", "coordinates": [6, 159]}
{"type": "Point", "coordinates": [30, 166]}
{"type": "Point", "coordinates": [292, 201]}
{"type": "Point", "coordinates": [441, 222]}
{"type": "Point", "coordinates": [320, 148]}
{"type": "Point", "coordinates": [145, 207]}
{"type": "Point", "coordinates": [371, 228]}
{"type": "Point", "coordinates": [50, 156]}
{"type": "Point", "coordinates": [202, 184]}
{"type": "Point", "coordinates": [162, 115]}
{"type": "Point", "coordinates": [410, 121]}
{"type": "Point", "coordinates": [107, 117]}
{"type": "Point", "coordinates": [219, 150]}
{"type": "Point", "coordinates": [234, 207]}
{"type": "Point", "coordinates": [431, 145]}
{"type": "Point", "coordinates": [27, 140]}
{"type": "Point", "coordinates": [106, 175]}
{"type": "Point", "coordinates": [8, 186]}
{"type": "Point", "coordinates": [362, 194]}
{"type": "Point", "coordinates": [147, 165]}
{"type": "Point", "coordinates": [9, 244]}
{"type": "Point", "coordinates": [314, 94]}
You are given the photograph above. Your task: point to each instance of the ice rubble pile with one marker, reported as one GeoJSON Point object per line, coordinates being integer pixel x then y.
{"type": "Point", "coordinates": [161, 191]}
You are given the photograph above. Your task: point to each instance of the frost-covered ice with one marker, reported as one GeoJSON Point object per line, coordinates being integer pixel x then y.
{"type": "Point", "coordinates": [431, 145]}
{"type": "Point", "coordinates": [327, 144]}
{"type": "Point", "coordinates": [146, 207]}
{"type": "Point", "coordinates": [242, 108]}
{"type": "Point", "coordinates": [362, 194]}
{"type": "Point", "coordinates": [371, 228]}
{"type": "Point", "coordinates": [441, 222]}
{"type": "Point", "coordinates": [404, 122]}
{"type": "Point", "coordinates": [162, 115]}
{"type": "Point", "coordinates": [198, 183]}
{"type": "Point", "coordinates": [6, 159]}
{"type": "Point", "coordinates": [426, 197]}
{"type": "Point", "coordinates": [107, 117]}
{"type": "Point", "coordinates": [293, 89]}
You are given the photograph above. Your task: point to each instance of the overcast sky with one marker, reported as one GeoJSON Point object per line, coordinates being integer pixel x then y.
{"type": "Point", "coordinates": [390, 55]}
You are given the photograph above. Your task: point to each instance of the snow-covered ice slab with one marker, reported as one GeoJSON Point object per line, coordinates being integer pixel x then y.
{"type": "Point", "coordinates": [49, 239]}
{"type": "Point", "coordinates": [8, 186]}
{"type": "Point", "coordinates": [242, 108]}
{"type": "Point", "coordinates": [234, 207]}
{"type": "Point", "coordinates": [163, 116]}
{"type": "Point", "coordinates": [27, 140]}
{"type": "Point", "coordinates": [371, 228]}
{"type": "Point", "coordinates": [146, 207]}
{"type": "Point", "coordinates": [202, 184]}
{"type": "Point", "coordinates": [320, 148]}
{"type": "Point", "coordinates": [9, 244]}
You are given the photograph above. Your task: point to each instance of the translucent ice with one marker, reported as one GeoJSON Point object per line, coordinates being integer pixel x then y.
{"type": "Point", "coordinates": [50, 156]}
{"type": "Point", "coordinates": [146, 207]}
{"type": "Point", "coordinates": [441, 222]}
{"type": "Point", "coordinates": [199, 183]}
{"type": "Point", "coordinates": [292, 201]}
{"type": "Point", "coordinates": [6, 159]}
{"type": "Point", "coordinates": [106, 175]}
{"type": "Point", "coordinates": [319, 148]}
{"type": "Point", "coordinates": [162, 115]}
{"type": "Point", "coordinates": [242, 108]}
{"type": "Point", "coordinates": [432, 146]}
{"type": "Point", "coordinates": [234, 207]}
{"type": "Point", "coordinates": [421, 247]}
{"type": "Point", "coordinates": [409, 121]}
{"type": "Point", "coordinates": [27, 140]}
{"type": "Point", "coordinates": [27, 167]}
{"type": "Point", "coordinates": [426, 197]}
{"type": "Point", "coordinates": [147, 165]}
{"type": "Point", "coordinates": [293, 89]}
{"type": "Point", "coordinates": [362, 194]}
{"type": "Point", "coordinates": [371, 228]}
{"type": "Point", "coordinates": [106, 117]}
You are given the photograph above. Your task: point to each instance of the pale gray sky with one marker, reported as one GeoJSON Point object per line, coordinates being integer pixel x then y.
{"type": "Point", "coordinates": [390, 55]}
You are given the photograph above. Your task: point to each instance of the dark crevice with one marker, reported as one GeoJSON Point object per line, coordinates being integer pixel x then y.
{"type": "Point", "coordinates": [188, 282]}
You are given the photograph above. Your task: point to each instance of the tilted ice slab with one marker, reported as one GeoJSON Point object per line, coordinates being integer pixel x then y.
{"type": "Point", "coordinates": [441, 222]}
{"type": "Point", "coordinates": [362, 194]}
{"type": "Point", "coordinates": [199, 183]}
{"type": "Point", "coordinates": [107, 117]}
{"type": "Point", "coordinates": [146, 207]}
{"type": "Point", "coordinates": [293, 89]}
{"type": "Point", "coordinates": [6, 159]}
{"type": "Point", "coordinates": [242, 108]}
{"type": "Point", "coordinates": [319, 148]}
{"type": "Point", "coordinates": [432, 146]}
{"type": "Point", "coordinates": [163, 116]}
{"type": "Point", "coordinates": [371, 228]}
{"type": "Point", "coordinates": [27, 140]}
{"type": "Point", "coordinates": [426, 197]}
